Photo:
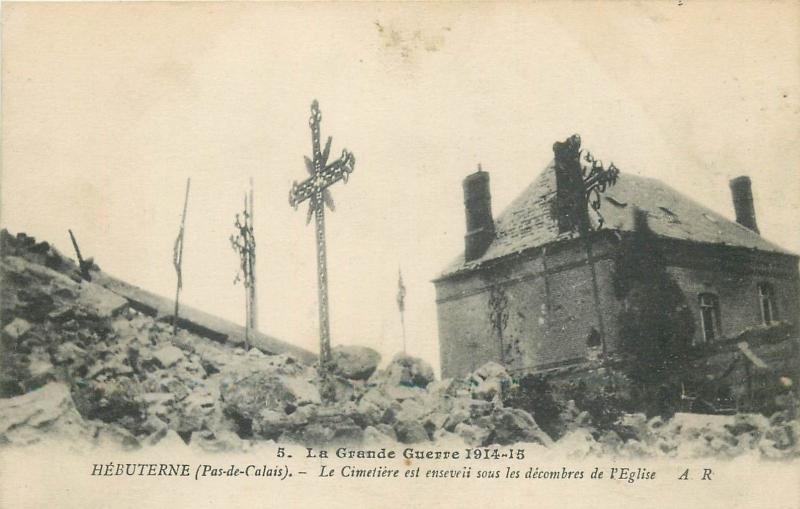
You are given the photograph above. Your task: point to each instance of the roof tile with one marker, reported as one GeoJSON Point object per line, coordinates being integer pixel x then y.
{"type": "Point", "coordinates": [527, 222]}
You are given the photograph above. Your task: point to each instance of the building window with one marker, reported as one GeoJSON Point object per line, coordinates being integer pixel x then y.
{"type": "Point", "coordinates": [709, 316]}
{"type": "Point", "coordinates": [593, 339]}
{"type": "Point", "coordinates": [766, 299]}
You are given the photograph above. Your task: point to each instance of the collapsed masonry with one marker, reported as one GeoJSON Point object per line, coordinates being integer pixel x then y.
{"type": "Point", "coordinates": [82, 364]}
{"type": "Point", "coordinates": [76, 350]}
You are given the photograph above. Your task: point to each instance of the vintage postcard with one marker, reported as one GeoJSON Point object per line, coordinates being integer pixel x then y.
{"type": "Point", "coordinates": [382, 254]}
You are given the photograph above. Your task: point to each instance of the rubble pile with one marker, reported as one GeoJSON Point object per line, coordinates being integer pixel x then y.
{"type": "Point", "coordinates": [79, 360]}
{"type": "Point", "coordinates": [689, 436]}
{"type": "Point", "coordinates": [80, 364]}
{"type": "Point", "coordinates": [403, 403]}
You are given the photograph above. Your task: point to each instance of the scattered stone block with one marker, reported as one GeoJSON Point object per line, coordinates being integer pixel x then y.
{"type": "Point", "coordinates": [17, 328]}
{"type": "Point", "coordinates": [168, 356]}
{"type": "Point", "coordinates": [45, 413]}
{"type": "Point", "coordinates": [411, 432]}
{"type": "Point", "coordinates": [100, 302]}
{"type": "Point", "coordinates": [354, 362]}
{"type": "Point", "coordinates": [407, 371]}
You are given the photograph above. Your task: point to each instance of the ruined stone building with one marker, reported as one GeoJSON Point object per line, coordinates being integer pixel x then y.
{"type": "Point", "coordinates": [537, 287]}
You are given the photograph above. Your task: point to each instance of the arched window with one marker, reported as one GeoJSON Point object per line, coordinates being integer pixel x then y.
{"type": "Point", "coordinates": [766, 299]}
{"type": "Point", "coordinates": [709, 316]}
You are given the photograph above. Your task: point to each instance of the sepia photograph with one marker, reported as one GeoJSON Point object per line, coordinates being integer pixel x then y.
{"type": "Point", "coordinates": [266, 253]}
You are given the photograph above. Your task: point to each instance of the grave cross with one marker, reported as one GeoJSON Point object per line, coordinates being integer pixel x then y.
{"type": "Point", "coordinates": [321, 176]}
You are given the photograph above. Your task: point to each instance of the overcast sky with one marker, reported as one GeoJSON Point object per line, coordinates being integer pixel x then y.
{"type": "Point", "coordinates": [108, 108]}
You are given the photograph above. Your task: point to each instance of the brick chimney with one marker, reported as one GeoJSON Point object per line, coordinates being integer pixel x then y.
{"type": "Point", "coordinates": [478, 208]}
{"type": "Point", "coordinates": [743, 202]}
{"type": "Point", "coordinates": [570, 207]}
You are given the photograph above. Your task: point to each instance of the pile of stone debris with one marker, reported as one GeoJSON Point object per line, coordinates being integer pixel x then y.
{"type": "Point", "coordinates": [78, 361]}
{"type": "Point", "coordinates": [686, 435]}
{"type": "Point", "coordinates": [79, 364]}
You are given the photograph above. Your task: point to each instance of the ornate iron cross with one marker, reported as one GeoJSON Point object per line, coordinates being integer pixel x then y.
{"type": "Point", "coordinates": [498, 315]}
{"type": "Point", "coordinates": [314, 189]}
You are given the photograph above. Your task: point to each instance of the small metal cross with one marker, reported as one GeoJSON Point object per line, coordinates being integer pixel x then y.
{"type": "Point", "coordinates": [314, 189]}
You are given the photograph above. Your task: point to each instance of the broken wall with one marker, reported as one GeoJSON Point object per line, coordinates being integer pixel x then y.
{"type": "Point", "coordinates": [550, 305]}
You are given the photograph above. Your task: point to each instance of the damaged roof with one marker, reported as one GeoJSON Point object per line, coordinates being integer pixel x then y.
{"type": "Point", "coordinates": [528, 222]}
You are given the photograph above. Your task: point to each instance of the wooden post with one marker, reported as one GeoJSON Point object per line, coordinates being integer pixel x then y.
{"type": "Point", "coordinates": [401, 304]}
{"type": "Point", "coordinates": [177, 259]}
{"type": "Point", "coordinates": [83, 265]}
{"type": "Point", "coordinates": [251, 260]}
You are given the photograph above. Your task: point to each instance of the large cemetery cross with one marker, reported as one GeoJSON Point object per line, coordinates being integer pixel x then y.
{"type": "Point", "coordinates": [314, 189]}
